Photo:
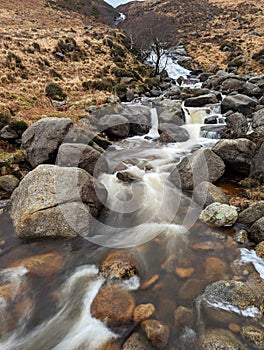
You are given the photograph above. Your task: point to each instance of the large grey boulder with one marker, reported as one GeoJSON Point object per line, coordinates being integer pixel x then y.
{"type": "Point", "coordinates": [237, 154]}
{"type": "Point", "coordinates": [239, 103]}
{"type": "Point", "coordinates": [201, 100]}
{"type": "Point", "coordinates": [257, 167]}
{"type": "Point", "coordinates": [114, 125]}
{"type": "Point", "coordinates": [53, 201]}
{"type": "Point", "coordinates": [236, 126]}
{"type": "Point", "coordinates": [170, 132]}
{"type": "Point", "coordinates": [41, 140]}
{"type": "Point", "coordinates": [217, 214]}
{"type": "Point", "coordinates": [79, 155]}
{"type": "Point", "coordinates": [206, 193]}
{"type": "Point", "coordinates": [202, 165]}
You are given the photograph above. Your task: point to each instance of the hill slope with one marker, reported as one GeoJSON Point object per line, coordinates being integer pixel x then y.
{"type": "Point", "coordinates": [215, 32]}
{"type": "Point", "coordinates": [44, 43]}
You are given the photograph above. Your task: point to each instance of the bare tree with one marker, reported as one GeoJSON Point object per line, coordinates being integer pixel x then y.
{"type": "Point", "coordinates": [151, 32]}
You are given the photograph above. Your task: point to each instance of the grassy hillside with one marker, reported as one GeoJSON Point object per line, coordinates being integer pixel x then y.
{"type": "Point", "coordinates": [43, 43]}
{"type": "Point", "coordinates": [215, 32]}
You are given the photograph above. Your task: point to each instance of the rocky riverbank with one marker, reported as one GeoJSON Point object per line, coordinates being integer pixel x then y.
{"type": "Point", "coordinates": [195, 189]}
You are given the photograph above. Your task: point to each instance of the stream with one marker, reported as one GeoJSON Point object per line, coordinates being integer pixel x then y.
{"type": "Point", "coordinates": [48, 297]}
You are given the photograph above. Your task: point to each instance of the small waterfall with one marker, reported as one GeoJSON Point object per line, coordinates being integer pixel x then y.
{"type": "Point", "coordinates": [195, 117]}
{"type": "Point", "coordinates": [153, 132]}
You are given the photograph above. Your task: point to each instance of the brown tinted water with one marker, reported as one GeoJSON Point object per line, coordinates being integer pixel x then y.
{"type": "Point", "coordinates": [47, 305]}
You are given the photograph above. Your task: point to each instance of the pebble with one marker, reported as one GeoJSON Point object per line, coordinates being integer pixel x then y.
{"type": "Point", "coordinates": [150, 282]}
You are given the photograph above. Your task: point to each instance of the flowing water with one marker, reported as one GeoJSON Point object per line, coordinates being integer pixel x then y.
{"type": "Point", "coordinates": [46, 305]}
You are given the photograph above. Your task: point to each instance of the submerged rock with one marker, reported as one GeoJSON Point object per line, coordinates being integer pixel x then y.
{"type": "Point", "coordinates": [43, 138]}
{"type": "Point", "coordinates": [217, 214]}
{"type": "Point", "coordinates": [237, 154]}
{"type": "Point", "coordinates": [53, 201]}
{"type": "Point", "coordinates": [113, 305]}
{"type": "Point", "coordinates": [118, 265]}
{"type": "Point", "coordinates": [157, 332]}
{"type": "Point", "coordinates": [228, 301]}
{"type": "Point", "coordinates": [184, 317]}
{"type": "Point", "coordinates": [137, 342]}
{"type": "Point", "coordinates": [143, 312]}
{"type": "Point", "coordinates": [220, 339]}
{"type": "Point", "coordinates": [254, 335]}
{"type": "Point", "coordinates": [202, 165]}
{"type": "Point", "coordinates": [206, 193]}
{"type": "Point", "coordinates": [41, 265]}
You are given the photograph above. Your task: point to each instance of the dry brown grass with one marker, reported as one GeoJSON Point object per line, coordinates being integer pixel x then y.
{"type": "Point", "coordinates": [205, 26]}
{"type": "Point", "coordinates": [30, 32]}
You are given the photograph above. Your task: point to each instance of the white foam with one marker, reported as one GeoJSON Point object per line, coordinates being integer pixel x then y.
{"type": "Point", "coordinates": [251, 311]}
{"type": "Point", "coordinates": [72, 327]}
{"type": "Point", "coordinates": [133, 283]}
{"type": "Point", "coordinates": [250, 256]}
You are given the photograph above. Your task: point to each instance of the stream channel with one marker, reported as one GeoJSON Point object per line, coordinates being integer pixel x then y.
{"type": "Point", "coordinates": [47, 305]}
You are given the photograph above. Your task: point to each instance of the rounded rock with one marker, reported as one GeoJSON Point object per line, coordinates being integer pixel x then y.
{"type": "Point", "coordinates": [217, 214]}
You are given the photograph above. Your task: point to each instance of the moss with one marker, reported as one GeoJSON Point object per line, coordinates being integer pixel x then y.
{"type": "Point", "coordinates": [117, 50]}
{"type": "Point", "coordinates": [150, 82]}
{"type": "Point", "coordinates": [120, 72]}
{"type": "Point", "coordinates": [55, 92]}
{"type": "Point", "coordinates": [120, 90]}
{"type": "Point", "coordinates": [7, 158]}
{"type": "Point", "coordinates": [102, 85]}
{"type": "Point", "coordinates": [19, 126]}
{"type": "Point", "coordinates": [4, 120]}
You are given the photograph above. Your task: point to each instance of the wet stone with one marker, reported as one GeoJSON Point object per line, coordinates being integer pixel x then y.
{"type": "Point", "coordinates": [206, 193]}
{"type": "Point", "coordinates": [215, 269]}
{"type": "Point", "coordinates": [143, 312]}
{"type": "Point", "coordinates": [256, 231]}
{"type": "Point", "coordinates": [254, 335]}
{"type": "Point", "coordinates": [113, 305]}
{"type": "Point", "coordinates": [137, 342]}
{"type": "Point", "coordinates": [184, 317]}
{"type": "Point", "coordinates": [157, 332]}
{"type": "Point", "coordinates": [217, 214]}
{"type": "Point", "coordinates": [184, 272]}
{"type": "Point", "coordinates": [191, 289]}
{"type": "Point", "coordinates": [252, 214]}
{"type": "Point", "coordinates": [220, 339]}
{"type": "Point", "coordinates": [42, 265]}
{"type": "Point", "coordinates": [260, 250]}
{"type": "Point", "coordinates": [118, 265]}
{"type": "Point", "coordinates": [229, 301]}
{"type": "Point", "coordinates": [241, 237]}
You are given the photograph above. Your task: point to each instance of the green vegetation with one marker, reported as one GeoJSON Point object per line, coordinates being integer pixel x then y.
{"type": "Point", "coordinates": [55, 92]}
